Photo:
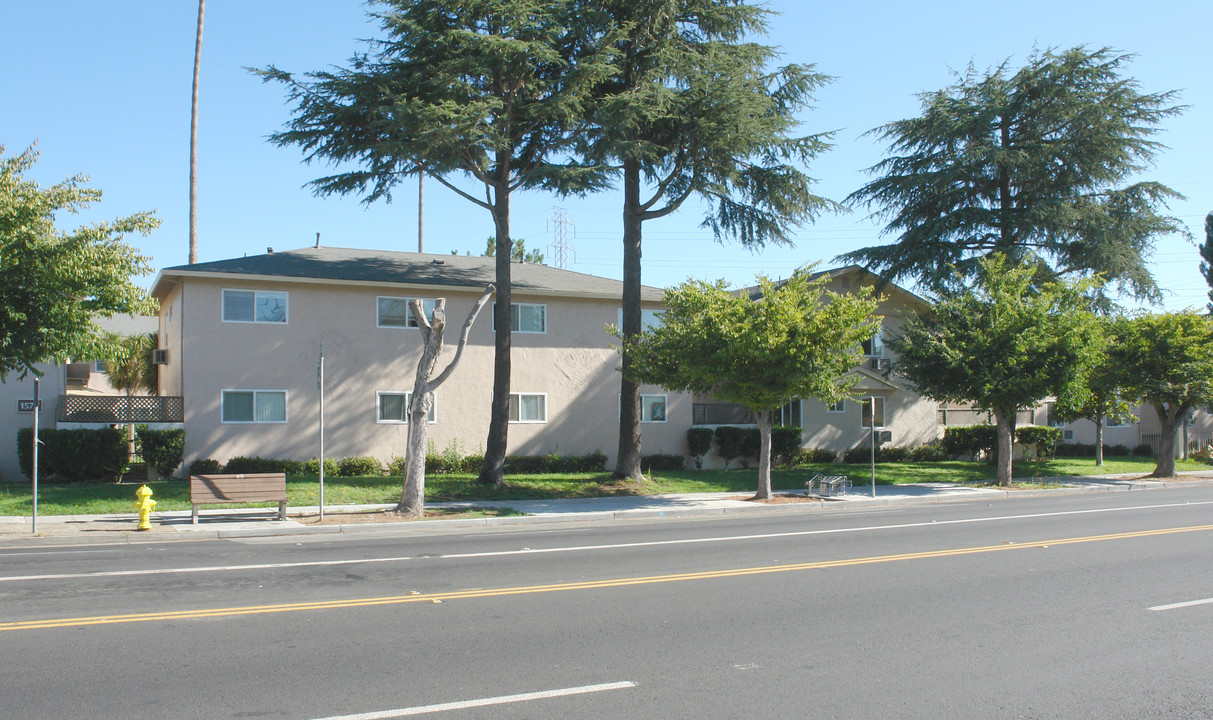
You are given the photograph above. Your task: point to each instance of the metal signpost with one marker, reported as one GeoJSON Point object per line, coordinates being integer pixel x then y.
{"type": "Point", "coordinates": [37, 406]}
{"type": "Point", "coordinates": [320, 384]}
{"type": "Point", "coordinates": [872, 427]}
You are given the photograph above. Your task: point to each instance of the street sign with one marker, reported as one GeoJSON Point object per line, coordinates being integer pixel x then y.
{"type": "Point", "coordinates": [27, 406]}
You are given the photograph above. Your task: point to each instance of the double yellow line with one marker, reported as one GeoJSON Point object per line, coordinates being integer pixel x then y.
{"type": "Point", "coordinates": [562, 587]}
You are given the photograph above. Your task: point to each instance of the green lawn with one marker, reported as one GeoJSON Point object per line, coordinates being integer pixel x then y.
{"type": "Point", "coordinates": [102, 498]}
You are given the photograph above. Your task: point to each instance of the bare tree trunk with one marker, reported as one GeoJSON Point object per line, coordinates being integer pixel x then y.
{"type": "Point", "coordinates": [627, 463]}
{"type": "Point", "coordinates": [193, 258]}
{"type": "Point", "coordinates": [1169, 419]}
{"type": "Point", "coordinates": [1099, 439]}
{"type": "Point", "coordinates": [412, 497]}
{"type": "Point", "coordinates": [763, 418]}
{"type": "Point", "coordinates": [1006, 445]}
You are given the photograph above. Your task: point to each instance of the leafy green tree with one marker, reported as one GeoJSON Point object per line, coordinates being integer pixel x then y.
{"type": "Point", "coordinates": [1104, 396]}
{"type": "Point", "coordinates": [518, 253]}
{"type": "Point", "coordinates": [794, 340]}
{"type": "Point", "coordinates": [1206, 255]}
{"type": "Point", "coordinates": [1168, 360]}
{"type": "Point", "coordinates": [1003, 345]}
{"type": "Point", "coordinates": [486, 92]}
{"type": "Point", "coordinates": [691, 109]}
{"type": "Point", "coordinates": [1031, 165]}
{"type": "Point", "coordinates": [54, 284]}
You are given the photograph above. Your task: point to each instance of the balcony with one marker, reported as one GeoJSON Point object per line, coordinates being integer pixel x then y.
{"type": "Point", "coordinates": [115, 409]}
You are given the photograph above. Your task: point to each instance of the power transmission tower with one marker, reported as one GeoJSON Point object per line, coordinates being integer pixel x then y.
{"type": "Point", "coordinates": [561, 249]}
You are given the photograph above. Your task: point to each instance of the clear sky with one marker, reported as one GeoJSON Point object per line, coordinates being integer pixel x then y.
{"type": "Point", "coordinates": [104, 88]}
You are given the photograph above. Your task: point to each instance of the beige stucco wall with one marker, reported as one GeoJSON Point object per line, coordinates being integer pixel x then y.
{"type": "Point", "coordinates": [572, 363]}
{"type": "Point", "coordinates": [14, 389]}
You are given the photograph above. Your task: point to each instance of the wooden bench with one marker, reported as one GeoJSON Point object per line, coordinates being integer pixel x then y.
{"type": "Point", "coordinates": [827, 485]}
{"type": "Point", "coordinates": [250, 488]}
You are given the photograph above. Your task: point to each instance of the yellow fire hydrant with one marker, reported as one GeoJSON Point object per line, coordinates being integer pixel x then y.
{"type": "Point", "coordinates": [145, 504]}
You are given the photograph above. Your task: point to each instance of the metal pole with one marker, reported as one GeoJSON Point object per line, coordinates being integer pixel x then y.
{"type": "Point", "coordinates": [320, 383]}
{"type": "Point", "coordinates": [34, 516]}
{"type": "Point", "coordinates": [872, 434]}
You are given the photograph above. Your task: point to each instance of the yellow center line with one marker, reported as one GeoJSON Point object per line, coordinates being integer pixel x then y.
{"type": "Point", "coordinates": [561, 587]}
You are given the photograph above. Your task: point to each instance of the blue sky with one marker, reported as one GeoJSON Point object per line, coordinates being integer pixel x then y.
{"type": "Point", "coordinates": [104, 88]}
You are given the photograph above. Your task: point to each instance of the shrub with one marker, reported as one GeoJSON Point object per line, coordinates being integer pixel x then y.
{"type": "Point", "coordinates": [554, 463]}
{"type": "Point", "coordinates": [206, 466]}
{"type": "Point", "coordinates": [699, 442]}
{"type": "Point", "coordinates": [892, 454]}
{"type": "Point", "coordinates": [75, 455]}
{"type": "Point", "coordinates": [1117, 450]}
{"type": "Point", "coordinates": [728, 443]}
{"type": "Point", "coordinates": [1143, 450]}
{"type": "Point", "coordinates": [312, 467]}
{"type": "Point", "coordinates": [858, 454]}
{"type": "Point", "coordinates": [359, 466]}
{"type": "Point", "coordinates": [785, 441]}
{"type": "Point", "coordinates": [662, 463]}
{"type": "Point", "coordinates": [241, 465]}
{"type": "Point", "coordinates": [396, 465]}
{"type": "Point", "coordinates": [750, 442]}
{"type": "Point", "coordinates": [971, 440]}
{"type": "Point", "coordinates": [162, 449]}
{"type": "Point", "coordinates": [931, 452]}
{"type": "Point", "coordinates": [815, 456]}
{"type": "Point", "coordinates": [1044, 438]}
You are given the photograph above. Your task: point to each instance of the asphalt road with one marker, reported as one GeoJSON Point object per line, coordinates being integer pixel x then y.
{"type": "Point", "coordinates": [1052, 607]}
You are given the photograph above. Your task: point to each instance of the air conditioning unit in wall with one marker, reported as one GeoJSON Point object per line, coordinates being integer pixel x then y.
{"type": "Point", "coordinates": [160, 356]}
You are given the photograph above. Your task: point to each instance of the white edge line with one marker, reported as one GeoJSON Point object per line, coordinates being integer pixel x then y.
{"type": "Point", "coordinates": [465, 704]}
{"type": "Point", "coordinates": [583, 548]}
{"type": "Point", "coordinates": [1189, 603]}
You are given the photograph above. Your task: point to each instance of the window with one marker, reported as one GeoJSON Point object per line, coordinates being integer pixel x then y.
{"type": "Point", "coordinates": [527, 318]}
{"type": "Point", "coordinates": [838, 407]}
{"type": "Point", "coordinates": [395, 312]}
{"type": "Point", "coordinates": [394, 407]}
{"type": "Point", "coordinates": [254, 306]}
{"type": "Point", "coordinates": [254, 406]}
{"type": "Point", "coordinates": [652, 408]}
{"type": "Point", "coordinates": [875, 346]}
{"type": "Point", "coordinates": [866, 416]}
{"type": "Point", "coordinates": [787, 416]}
{"type": "Point", "coordinates": [649, 318]}
{"type": "Point", "coordinates": [1051, 416]}
{"type": "Point", "coordinates": [1111, 423]}
{"type": "Point", "coordinates": [100, 366]}
{"type": "Point", "coordinates": [526, 408]}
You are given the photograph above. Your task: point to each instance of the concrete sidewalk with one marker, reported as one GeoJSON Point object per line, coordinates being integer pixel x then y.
{"type": "Point", "coordinates": [254, 522]}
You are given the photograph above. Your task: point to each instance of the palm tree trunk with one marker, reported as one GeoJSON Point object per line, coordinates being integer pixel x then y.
{"type": "Point", "coordinates": [194, 140]}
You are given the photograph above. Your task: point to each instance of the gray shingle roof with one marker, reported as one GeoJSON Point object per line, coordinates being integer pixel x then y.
{"type": "Point", "coordinates": [382, 266]}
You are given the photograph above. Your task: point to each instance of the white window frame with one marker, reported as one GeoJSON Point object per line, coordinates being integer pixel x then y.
{"type": "Point", "coordinates": [521, 421]}
{"type": "Point", "coordinates": [516, 319]}
{"type": "Point", "coordinates": [837, 408]}
{"type": "Point", "coordinates": [286, 304]}
{"type": "Point", "coordinates": [1107, 423]}
{"type": "Point", "coordinates": [665, 408]}
{"type": "Point", "coordinates": [865, 411]}
{"type": "Point", "coordinates": [777, 414]}
{"type": "Point", "coordinates": [285, 406]}
{"type": "Point", "coordinates": [649, 318]}
{"type": "Point", "coordinates": [427, 307]}
{"type": "Point", "coordinates": [432, 417]}
{"type": "Point", "coordinates": [876, 344]}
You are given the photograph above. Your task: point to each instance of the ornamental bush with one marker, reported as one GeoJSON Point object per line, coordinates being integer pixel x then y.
{"type": "Point", "coordinates": [206, 466]}
{"type": "Point", "coordinates": [662, 462]}
{"type": "Point", "coordinates": [359, 466]}
{"type": "Point", "coordinates": [729, 442]}
{"type": "Point", "coordinates": [75, 455]}
{"type": "Point", "coordinates": [162, 449]}
{"type": "Point", "coordinates": [312, 467]}
{"type": "Point", "coordinates": [699, 443]}
{"type": "Point", "coordinates": [785, 442]}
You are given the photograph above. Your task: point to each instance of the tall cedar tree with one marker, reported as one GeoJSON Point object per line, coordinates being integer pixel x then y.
{"type": "Point", "coordinates": [691, 109]}
{"type": "Point", "coordinates": [1206, 255]}
{"type": "Point", "coordinates": [761, 349]}
{"type": "Point", "coordinates": [1030, 165]}
{"type": "Point", "coordinates": [1168, 359]}
{"type": "Point", "coordinates": [54, 284]}
{"type": "Point", "coordinates": [483, 91]}
{"type": "Point", "coordinates": [1005, 344]}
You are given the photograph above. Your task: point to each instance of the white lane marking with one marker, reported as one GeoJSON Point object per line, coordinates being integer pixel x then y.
{"type": "Point", "coordinates": [797, 533]}
{"type": "Point", "coordinates": [1189, 603]}
{"type": "Point", "coordinates": [211, 568]}
{"type": "Point", "coordinates": [582, 548]}
{"type": "Point", "coordinates": [483, 702]}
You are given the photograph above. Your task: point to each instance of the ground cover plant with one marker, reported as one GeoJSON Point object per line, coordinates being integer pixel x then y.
{"type": "Point", "coordinates": [97, 498]}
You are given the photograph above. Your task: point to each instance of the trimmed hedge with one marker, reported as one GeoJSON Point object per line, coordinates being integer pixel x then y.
{"type": "Point", "coordinates": [206, 466]}
{"type": "Point", "coordinates": [971, 440]}
{"type": "Point", "coordinates": [554, 463]}
{"type": "Point", "coordinates": [312, 467]}
{"type": "Point", "coordinates": [785, 442]}
{"type": "Point", "coordinates": [662, 463]}
{"type": "Point", "coordinates": [75, 455]}
{"type": "Point", "coordinates": [240, 465]}
{"type": "Point", "coordinates": [699, 442]}
{"type": "Point", "coordinates": [1143, 450]}
{"type": "Point", "coordinates": [729, 443]}
{"type": "Point", "coordinates": [815, 456]}
{"type": "Point", "coordinates": [162, 449]}
{"type": "Point", "coordinates": [359, 466]}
